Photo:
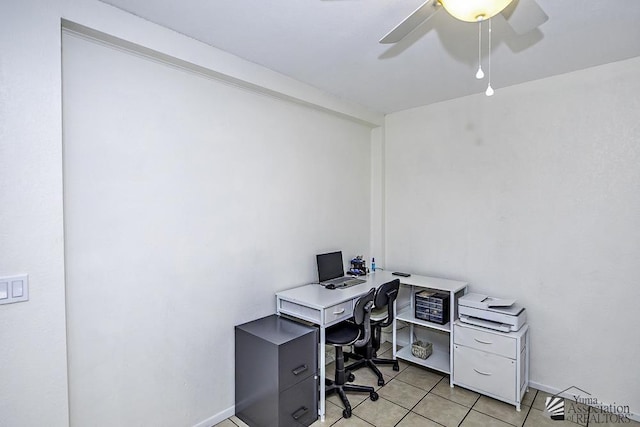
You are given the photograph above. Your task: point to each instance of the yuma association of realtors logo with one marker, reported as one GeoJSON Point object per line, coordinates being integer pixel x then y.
{"type": "Point", "coordinates": [554, 408]}
{"type": "Point", "coordinates": [581, 409]}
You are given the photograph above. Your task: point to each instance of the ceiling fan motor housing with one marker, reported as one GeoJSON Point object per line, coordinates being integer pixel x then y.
{"type": "Point", "coordinates": [474, 11]}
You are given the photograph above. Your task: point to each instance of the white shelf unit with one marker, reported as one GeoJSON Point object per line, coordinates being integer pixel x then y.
{"type": "Point", "coordinates": [441, 336]}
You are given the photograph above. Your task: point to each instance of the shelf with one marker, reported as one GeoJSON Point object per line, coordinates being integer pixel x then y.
{"type": "Point", "coordinates": [440, 336]}
{"type": "Point", "coordinates": [444, 285]}
{"type": "Point", "coordinates": [406, 315]}
{"type": "Point", "coordinates": [439, 360]}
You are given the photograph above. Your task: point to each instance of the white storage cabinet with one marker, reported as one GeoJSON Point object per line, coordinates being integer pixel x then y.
{"type": "Point", "coordinates": [490, 362]}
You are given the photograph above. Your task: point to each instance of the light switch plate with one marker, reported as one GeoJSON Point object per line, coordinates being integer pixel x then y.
{"type": "Point", "coordinates": [14, 289]}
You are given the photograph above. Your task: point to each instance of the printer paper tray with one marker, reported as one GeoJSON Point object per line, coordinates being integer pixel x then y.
{"type": "Point", "coordinates": [502, 327]}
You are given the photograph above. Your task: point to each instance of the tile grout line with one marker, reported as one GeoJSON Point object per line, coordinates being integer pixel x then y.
{"type": "Point", "coordinates": [528, 413]}
{"type": "Point", "coordinates": [413, 407]}
{"type": "Point", "coordinates": [506, 422]}
{"type": "Point", "coordinates": [470, 409]}
{"type": "Point", "coordinates": [533, 399]}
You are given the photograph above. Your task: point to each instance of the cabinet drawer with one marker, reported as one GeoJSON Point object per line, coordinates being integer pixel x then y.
{"type": "Point", "coordinates": [298, 360]}
{"type": "Point", "coordinates": [340, 311]}
{"type": "Point", "coordinates": [298, 405]}
{"type": "Point", "coordinates": [485, 341]}
{"type": "Point", "coordinates": [484, 371]}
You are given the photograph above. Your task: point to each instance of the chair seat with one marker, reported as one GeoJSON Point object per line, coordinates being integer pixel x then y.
{"type": "Point", "coordinates": [379, 314]}
{"type": "Point", "coordinates": [343, 333]}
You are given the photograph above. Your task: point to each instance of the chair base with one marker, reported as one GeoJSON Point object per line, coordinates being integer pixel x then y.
{"type": "Point", "coordinates": [340, 387]}
{"type": "Point", "coordinates": [367, 356]}
{"type": "Point", "coordinates": [371, 364]}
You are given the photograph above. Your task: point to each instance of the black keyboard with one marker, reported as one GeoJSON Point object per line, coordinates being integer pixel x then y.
{"type": "Point", "coordinates": [353, 282]}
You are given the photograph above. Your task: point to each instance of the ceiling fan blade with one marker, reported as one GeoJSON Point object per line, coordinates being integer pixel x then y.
{"type": "Point", "coordinates": [411, 22]}
{"type": "Point", "coordinates": [524, 16]}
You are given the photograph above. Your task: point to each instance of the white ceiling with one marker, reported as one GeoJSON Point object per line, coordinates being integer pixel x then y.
{"type": "Point", "coordinates": [333, 44]}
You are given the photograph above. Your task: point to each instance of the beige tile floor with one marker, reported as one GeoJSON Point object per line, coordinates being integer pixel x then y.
{"type": "Point", "coordinates": [417, 397]}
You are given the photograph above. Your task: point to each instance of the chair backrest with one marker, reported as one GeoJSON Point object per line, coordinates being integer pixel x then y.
{"type": "Point", "coordinates": [385, 296]}
{"type": "Point", "coordinates": [361, 314]}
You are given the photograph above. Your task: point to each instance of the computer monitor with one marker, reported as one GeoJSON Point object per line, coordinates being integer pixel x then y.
{"type": "Point", "coordinates": [330, 266]}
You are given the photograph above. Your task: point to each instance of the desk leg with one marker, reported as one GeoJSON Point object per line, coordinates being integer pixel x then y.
{"type": "Point", "coordinates": [393, 331]}
{"type": "Point", "coordinates": [322, 374]}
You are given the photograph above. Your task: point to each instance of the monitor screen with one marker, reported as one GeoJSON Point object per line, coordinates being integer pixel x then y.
{"type": "Point", "coordinates": [330, 266]}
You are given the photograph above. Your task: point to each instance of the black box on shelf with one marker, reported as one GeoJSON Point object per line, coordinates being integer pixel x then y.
{"type": "Point", "coordinates": [432, 306]}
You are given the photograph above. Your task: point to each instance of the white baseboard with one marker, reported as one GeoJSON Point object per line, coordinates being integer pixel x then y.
{"type": "Point", "coordinates": [217, 418]}
{"type": "Point", "coordinates": [554, 391]}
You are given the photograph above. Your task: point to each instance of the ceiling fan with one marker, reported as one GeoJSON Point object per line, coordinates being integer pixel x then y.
{"type": "Point", "coordinates": [521, 15]}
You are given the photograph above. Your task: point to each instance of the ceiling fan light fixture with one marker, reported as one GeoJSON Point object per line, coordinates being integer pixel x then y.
{"type": "Point", "coordinates": [474, 11]}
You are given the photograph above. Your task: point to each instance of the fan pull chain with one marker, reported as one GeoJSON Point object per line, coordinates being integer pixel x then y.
{"type": "Point", "coordinates": [480, 73]}
{"type": "Point", "coordinates": [489, 91]}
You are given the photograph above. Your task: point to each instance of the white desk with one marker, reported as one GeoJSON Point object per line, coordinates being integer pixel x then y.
{"type": "Point", "coordinates": [325, 307]}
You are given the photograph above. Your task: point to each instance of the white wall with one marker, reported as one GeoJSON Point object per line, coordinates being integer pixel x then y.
{"type": "Point", "coordinates": [533, 194]}
{"type": "Point", "coordinates": [377, 197]}
{"type": "Point", "coordinates": [33, 380]}
{"type": "Point", "coordinates": [188, 204]}
{"type": "Point", "coordinates": [33, 377]}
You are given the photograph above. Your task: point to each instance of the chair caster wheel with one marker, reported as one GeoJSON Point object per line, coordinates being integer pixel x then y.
{"type": "Point", "coordinates": [373, 396]}
{"type": "Point", "coordinates": [346, 413]}
{"type": "Point", "coordinates": [396, 367]}
{"type": "Point", "coordinates": [380, 382]}
{"type": "Point", "coordinates": [351, 377]}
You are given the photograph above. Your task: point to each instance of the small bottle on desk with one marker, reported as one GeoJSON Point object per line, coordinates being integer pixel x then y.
{"type": "Point", "coordinates": [373, 265]}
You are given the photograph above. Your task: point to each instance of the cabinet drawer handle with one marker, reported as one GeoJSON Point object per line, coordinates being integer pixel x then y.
{"type": "Point", "coordinates": [483, 342]}
{"type": "Point", "coordinates": [481, 373]}
{"type": "Point", "coordinates": [299, 413]}
{"type": "Point", "coordinates": [339, 312]}
{"type": "Point", "coordinates": [300, 369]}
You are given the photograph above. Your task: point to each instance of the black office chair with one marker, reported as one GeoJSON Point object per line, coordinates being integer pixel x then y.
{"type": "Point", "coordinates": [381, 316]}
{"type": "Point", "coordinates": [347, 333]}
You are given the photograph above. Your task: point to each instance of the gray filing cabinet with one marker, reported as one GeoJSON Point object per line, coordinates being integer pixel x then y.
{"type": "Point", "coordinates": [276, 373]}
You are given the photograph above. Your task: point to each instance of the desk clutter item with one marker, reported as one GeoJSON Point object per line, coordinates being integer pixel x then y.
{"type": "Point", "coordinates": [421, 349]}
{"type": "Point", "coordinates": [358, 266]}
{"type": "Point", "coordinates": [401, 274]}
{"type": "Point", "coordinates": [432, 306]}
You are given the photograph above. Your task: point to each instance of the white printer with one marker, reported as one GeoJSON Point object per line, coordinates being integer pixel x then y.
{"type": "Point", "coordinates": [493, 313]}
